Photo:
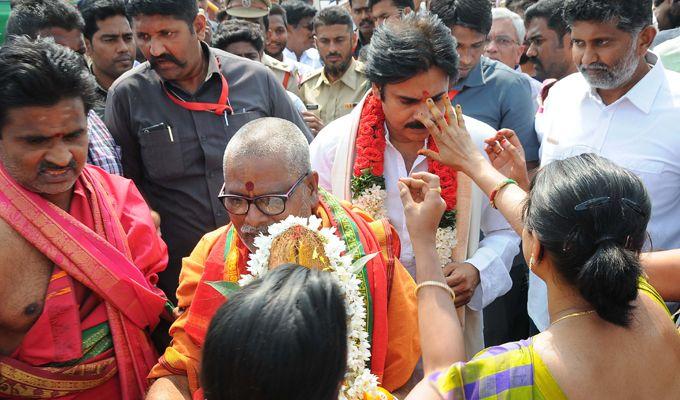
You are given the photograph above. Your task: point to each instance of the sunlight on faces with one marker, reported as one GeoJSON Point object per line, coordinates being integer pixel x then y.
{"type": "Point", "coordinates": [503, 44]}
{"type": "Point", "coordinates": [606, 56]}
{"type": "Point", "coordinates": [45, 148]}
{"type": "Point", "coordinates": [550, 54]}
{"type": "Point", "coordinates": [277, 36]}
{"type": "Point", "coordinates": [470, 48]}
{"type": "Point", "coordinates": [112, 48]}
{"type": "Point", "coordinates": [361, 14]}
{"type": "Point", "coordinates": [245, 50]}
{"type": "Point", "coordinates": [383, 11]}
{"type": "Point", "coordinates": [301, 37]}
{"type": "Point", "coordinates": [267, 177]}
{"type": "Point", "coordinates": [168, 43]}
{"type": "Point", "coordinates": [334, 43]}
{"type": "Point", "coordinates": [72, 39]}
{"type": "Point", "coordinates": [403, 101]}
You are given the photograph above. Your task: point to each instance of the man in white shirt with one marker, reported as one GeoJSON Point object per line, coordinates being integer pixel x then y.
{"type": "Point", "coordinates": [361, 157]}
{"type": "Point", "coordinates": [623, 105]}
{"type": "Point", "coordinates": [300, 45]}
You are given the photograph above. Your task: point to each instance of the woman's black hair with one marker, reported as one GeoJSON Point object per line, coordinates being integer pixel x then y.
{"type": "Point", "coordinates": [282, 337]}
{"type": "Point", "coordinates": [591, 216]}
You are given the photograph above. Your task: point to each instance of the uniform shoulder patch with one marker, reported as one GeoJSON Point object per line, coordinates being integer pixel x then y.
{"type": "Point", "coordinates": [273, 63]}
{"type": "Point", "coordinates": [310, 75]}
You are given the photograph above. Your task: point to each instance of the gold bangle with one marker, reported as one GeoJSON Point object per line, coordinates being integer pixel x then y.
{"type": "Point", "coordinates": [436, 284]}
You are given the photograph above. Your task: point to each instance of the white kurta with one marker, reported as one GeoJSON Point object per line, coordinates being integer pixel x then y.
{"type": "Point", "coordinates": [492, 256]}
{"type": "Point", "coordinates": [639, 132]}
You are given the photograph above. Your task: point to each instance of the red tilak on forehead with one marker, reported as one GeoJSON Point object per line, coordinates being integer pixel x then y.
{"type": "Point", "coordinates": [426, 95]}
{"type": "Point", "coordinates": [250, 186]}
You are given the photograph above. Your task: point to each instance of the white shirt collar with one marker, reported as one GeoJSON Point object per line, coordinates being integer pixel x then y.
{"type": "Point", "coordinates": [418, 160]}
{"type": "Point", "coordinates": [643, 94]}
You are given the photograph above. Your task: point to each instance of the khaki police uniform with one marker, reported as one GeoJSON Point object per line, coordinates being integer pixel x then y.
{"type": "Point", "coordinates": [248, 8]}
{"type": "Point", "coordinates": [285, 73]}
{"type": "Point", "coordinates": [335, 99]}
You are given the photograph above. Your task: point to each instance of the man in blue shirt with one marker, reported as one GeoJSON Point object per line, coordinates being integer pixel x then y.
{"type": "Point", "coordinates": [493, 93]}
{"type": "Point", "coordinates": [487, 90]}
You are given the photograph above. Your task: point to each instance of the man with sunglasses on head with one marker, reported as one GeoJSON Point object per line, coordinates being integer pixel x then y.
{"type": "Point", "coordinates": [258, 193]}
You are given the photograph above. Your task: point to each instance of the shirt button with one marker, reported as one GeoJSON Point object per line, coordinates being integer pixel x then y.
{"type": "Point", "coordinates": [211, 174]}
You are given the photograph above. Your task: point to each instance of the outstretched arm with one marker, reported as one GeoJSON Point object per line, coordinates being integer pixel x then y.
{"type": "Point", "coordinates": [441, 336]}
{"type": "Point", "coordinates": [457, 150]}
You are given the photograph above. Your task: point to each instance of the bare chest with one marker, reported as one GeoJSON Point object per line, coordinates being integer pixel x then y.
{"type": "Point", "coordinates": [24, 277]}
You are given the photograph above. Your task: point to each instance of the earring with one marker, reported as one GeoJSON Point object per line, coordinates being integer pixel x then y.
{"type": "Point", "coordinates": [531, 263]}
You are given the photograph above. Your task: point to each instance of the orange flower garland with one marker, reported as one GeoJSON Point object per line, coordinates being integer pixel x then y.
{"type": "Point", "coordinates": [370, 158]}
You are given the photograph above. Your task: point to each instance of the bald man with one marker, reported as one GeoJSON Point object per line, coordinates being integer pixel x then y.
{"type": "Point", "coordinates": [252, 169]}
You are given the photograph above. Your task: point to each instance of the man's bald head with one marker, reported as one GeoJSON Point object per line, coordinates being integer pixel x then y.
{"type": "Point", "coordinates": [268, 157]}
{"type": "Point", "coordinates": [271, 139]}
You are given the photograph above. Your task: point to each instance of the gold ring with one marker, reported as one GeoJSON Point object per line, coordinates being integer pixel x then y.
{"type": "Point", "coordinates": [437, 189]}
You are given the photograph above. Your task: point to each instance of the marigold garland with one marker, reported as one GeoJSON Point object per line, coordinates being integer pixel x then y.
{"type": "Point", "coordinates": [368, 182]}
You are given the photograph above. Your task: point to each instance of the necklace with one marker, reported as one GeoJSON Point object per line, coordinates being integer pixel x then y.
{"type": "Point", "coordinates": [576, 314]}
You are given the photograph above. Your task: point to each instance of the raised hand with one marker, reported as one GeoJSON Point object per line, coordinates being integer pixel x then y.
{"type": "Point", "coordinates": [423, 205]}
{"type": "Point", "coordinates": [456, 148]}
{"type": "Point", "coordinates": [507, 156]}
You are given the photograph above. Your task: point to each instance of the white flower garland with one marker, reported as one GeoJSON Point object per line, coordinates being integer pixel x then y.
{"type": "Point", "coordinates": [358, 379]}
{"type": "Point", "coordinates": [372, 201]}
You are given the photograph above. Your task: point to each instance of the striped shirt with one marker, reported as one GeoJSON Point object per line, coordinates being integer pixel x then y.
{"type": "Point", "coordinates": [102, 150]}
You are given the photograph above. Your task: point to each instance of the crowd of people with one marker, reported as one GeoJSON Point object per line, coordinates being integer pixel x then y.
{"type": "Point", "coordinates": [372, 199]}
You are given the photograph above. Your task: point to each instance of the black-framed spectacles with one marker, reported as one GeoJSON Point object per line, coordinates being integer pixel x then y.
{"type": "Point", "coordinates": [268, 204]}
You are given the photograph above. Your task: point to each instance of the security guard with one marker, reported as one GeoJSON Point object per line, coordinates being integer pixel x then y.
{"type": "Point", "coordinates": [251, 10]}
{"type": "Point", "coordinates": [340, 84]}
{"type": "Point", "coordinates": [285, 73]}
{"type": "Point", "coordinates": [255, 11]}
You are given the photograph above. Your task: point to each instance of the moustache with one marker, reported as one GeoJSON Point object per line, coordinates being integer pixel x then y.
{"type": "Point", "coordinates": [123, 58]}
{"type": "Point", "coordinates": [252, 230]}
{"type": "Point", "coordinates": [366, 22]}
{"type": "Point", "coordinates": [534, 60]}
{"type": "Point", "coordinates": [600, 67]}
{"type": "Point", "coordinates": [165, 57]}
{"type": "Point", "coordinates": [333, 55]}
{"type": "Point", "coordinates": [48, 166]}
{"type": "Point", "coordinates": [415, 125]}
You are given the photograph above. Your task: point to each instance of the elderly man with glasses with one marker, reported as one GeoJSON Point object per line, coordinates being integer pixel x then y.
{"type": "Point", "coordinates": [505, 42]}
{"type": "Point", "coordinates": [268, 177]}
